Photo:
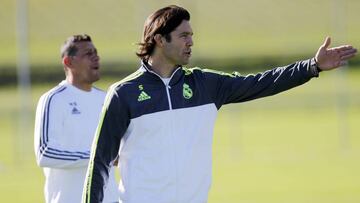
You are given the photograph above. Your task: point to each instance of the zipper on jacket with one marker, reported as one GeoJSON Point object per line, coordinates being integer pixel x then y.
{"type": "Point", "coordinates": [167, 87]}
{"type": "Point", "coordinates": [168, 95]}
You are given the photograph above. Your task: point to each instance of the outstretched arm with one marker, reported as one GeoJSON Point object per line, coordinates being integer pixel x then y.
{"type": "Point", "coordinates": [331, 58]}
{"type": "Point", "coordinates": [232, 88]}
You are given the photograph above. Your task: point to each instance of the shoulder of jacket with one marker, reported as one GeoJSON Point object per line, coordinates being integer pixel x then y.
{"type": "Point", "coordinates": [53, 96]}
{"type": "Point", "coordinates": [122, 83]}
{"type": "Point", "coordinates": [189, 71]}
{"type": "Point", "coordinates": [127, 79]}
{"type": "Point", "coordinates": [54, 91]}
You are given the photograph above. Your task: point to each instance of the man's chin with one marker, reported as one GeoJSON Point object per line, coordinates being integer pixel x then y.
{"type": "Point", "coordinates": [185, 62]}
{"type": "Point", "coordinates": [95, 78]}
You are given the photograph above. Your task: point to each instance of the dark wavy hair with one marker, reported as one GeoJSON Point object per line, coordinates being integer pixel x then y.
{"type": "Point", "coordinates": [69, 48]}
{"type": "Point", "coordinates": [162, 22]}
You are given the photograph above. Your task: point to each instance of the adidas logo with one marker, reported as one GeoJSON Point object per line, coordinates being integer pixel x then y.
{"type": "Point", "coordinates": [143, 96]}
{"type": "Point", "coordinates": [75, 111]}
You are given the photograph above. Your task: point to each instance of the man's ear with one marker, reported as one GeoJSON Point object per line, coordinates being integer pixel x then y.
{"type": "Point", "coordinates": [66, 61]}
{"type": "Point", "coordinates": [159, 40]}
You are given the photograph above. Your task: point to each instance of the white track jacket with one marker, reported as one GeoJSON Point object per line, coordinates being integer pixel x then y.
{"type": "Point", "coordinates": [66, 120]}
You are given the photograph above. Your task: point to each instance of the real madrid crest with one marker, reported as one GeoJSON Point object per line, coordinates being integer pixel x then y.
{"type": "Point", "coordinates": [187, 92]}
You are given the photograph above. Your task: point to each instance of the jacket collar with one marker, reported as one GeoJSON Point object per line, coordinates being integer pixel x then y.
{"type": "Point", "coordinates": [174, 78]}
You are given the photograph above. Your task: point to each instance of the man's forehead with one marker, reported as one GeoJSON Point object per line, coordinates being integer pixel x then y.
{"type": "Point", "coordinates": [184, 27]}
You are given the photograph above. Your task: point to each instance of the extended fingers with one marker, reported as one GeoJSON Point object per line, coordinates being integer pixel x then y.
{"type": "Point", "coordinates": [343, 48]}
{"type": "Point", "coordinates": [343, 52]}
{"type": "Point", "coordinates": [347, 54]}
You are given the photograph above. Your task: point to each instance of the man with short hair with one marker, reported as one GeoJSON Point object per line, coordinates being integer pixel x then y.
{"type": "Point", "coordinates": [160, 119]}
{"type": "Point", "coordinates": [66, 119]}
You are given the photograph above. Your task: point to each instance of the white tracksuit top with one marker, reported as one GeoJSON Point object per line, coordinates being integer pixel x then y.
{"type": "Point", "coordinates": [66, 120]}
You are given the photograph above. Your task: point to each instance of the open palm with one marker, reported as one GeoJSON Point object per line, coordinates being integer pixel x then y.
{"type": "Point", "coordinates": [330, 58]}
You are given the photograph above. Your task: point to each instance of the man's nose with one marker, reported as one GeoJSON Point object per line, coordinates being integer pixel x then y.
{"type": "Point", "coordinates": [96, 57]}
{"type": "Point", "coordinates": [190, 41]}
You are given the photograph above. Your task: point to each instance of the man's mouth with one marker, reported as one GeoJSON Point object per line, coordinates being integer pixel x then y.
{"type": "Point", "coordinates": [95, 67]}
{"type": "Point", "coordinates": [188, 53]}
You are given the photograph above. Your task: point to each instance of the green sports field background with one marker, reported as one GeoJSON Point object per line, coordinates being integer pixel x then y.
{"type": "Point", "coordinates": [297, 147]}
{"type": "Point", "coordinates": [302, 146]}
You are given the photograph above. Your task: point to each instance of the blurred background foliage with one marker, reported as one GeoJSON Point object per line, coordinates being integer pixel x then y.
{"type": "Point", "coordinates": [230, 34]}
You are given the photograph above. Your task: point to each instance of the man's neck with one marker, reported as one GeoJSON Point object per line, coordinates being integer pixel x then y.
{"type": "Point", "coordinates": [83, 86]}
{"type": "Point", "coordinates": [162, 68]}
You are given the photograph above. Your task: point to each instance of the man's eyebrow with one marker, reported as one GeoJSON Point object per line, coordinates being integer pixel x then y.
{"type": "Point", "coordinates": [186, 33]}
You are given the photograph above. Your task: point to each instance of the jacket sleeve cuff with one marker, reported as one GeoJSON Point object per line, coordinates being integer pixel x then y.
{"type": "Point", "coordinates": [314, 69]}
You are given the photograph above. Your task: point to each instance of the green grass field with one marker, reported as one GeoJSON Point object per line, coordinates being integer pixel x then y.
{"type": "Point", "coordinates": [296, 147]}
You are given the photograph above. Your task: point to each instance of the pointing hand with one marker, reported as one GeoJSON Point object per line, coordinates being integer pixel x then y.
{"type": "Point", "coordinates": [330, 58]}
